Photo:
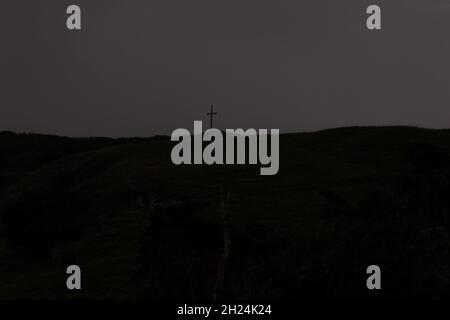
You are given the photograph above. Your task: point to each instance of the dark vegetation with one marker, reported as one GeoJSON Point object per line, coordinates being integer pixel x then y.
{"type": "Point", "coordinates": [141, 227]}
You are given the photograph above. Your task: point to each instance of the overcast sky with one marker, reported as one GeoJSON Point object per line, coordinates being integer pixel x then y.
{"type": "Point", "coordinates": [140, 67]}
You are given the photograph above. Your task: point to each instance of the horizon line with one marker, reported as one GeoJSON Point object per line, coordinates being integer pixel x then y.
{"type": "Point", "coordinates": [3, 132]}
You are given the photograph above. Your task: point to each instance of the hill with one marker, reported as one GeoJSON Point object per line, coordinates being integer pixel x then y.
{"type": "Point", "coordinates": [141, 227]}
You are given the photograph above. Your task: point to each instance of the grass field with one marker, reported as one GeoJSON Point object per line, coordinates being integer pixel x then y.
{"type": "Point", "coordinates": [141, 227]}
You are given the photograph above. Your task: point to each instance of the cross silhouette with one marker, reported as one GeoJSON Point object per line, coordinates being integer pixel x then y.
{"type": "Point", "coordinates": [211, 114]}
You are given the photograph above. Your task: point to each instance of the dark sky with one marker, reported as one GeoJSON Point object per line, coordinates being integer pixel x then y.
{"type": "Point", "coordinates": [143, 67]}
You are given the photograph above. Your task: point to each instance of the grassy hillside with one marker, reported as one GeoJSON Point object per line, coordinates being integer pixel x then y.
{"type": "Point", "coordinates": [141, 227]}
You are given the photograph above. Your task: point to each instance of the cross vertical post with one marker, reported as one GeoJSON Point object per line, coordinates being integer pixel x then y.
{"type": "Point", "coordinates": [211, 114]}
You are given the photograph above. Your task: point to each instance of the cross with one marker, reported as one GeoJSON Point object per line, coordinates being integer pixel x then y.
{"type": "Point", "coordinates": [211, 114]}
